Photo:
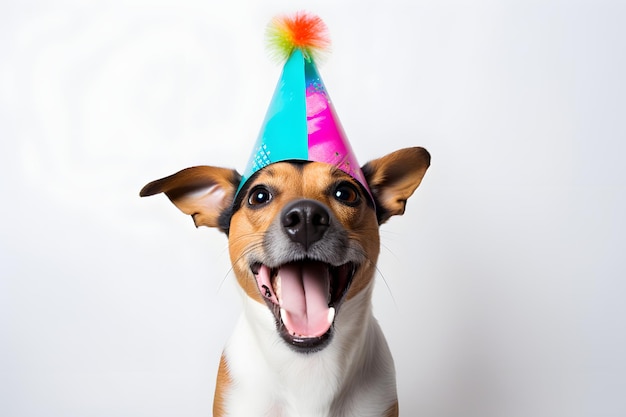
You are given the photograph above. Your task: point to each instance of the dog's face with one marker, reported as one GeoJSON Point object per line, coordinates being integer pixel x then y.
{"type": "Point", "coordinates": [303, 236]}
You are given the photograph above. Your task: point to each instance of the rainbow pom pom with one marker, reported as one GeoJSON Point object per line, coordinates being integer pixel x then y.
{"type": "Point", "coordinates": [303, 31]}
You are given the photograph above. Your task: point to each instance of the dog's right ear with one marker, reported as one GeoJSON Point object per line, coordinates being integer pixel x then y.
{"type": "Point", "coordinates": [205, 193]}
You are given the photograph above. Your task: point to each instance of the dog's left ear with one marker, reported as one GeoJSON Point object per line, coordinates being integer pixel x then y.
{"type": "Point", "coordinates": [205, 193]}
{"type": "Point", "coordinates": [393, 179]}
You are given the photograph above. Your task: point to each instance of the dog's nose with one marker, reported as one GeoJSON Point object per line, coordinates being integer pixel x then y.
{"type": "Point", "coordinates": [305, 221]}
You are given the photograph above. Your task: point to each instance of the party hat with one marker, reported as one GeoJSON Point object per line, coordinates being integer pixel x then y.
{"type": "Point", "coordinates": [301, 123]}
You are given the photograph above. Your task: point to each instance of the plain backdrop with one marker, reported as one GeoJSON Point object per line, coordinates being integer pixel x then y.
{"type": "Point", "coordinates": [501, 290]}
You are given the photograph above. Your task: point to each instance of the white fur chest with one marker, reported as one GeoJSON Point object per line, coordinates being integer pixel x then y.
{"type": "Point", "coordinates": [268, 379]}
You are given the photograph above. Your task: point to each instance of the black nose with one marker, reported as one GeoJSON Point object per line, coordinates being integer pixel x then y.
{"type": "Point", "coordinates": [305, 221]}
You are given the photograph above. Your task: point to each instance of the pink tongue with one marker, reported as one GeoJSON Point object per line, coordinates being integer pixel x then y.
{"type": "Point", "coordinates": [304, 292]}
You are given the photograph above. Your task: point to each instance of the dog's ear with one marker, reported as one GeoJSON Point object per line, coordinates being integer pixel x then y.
{"type": "Point", "coordinates": [393, 179]}
{"type": "Point", "coordinates": [205, 193]}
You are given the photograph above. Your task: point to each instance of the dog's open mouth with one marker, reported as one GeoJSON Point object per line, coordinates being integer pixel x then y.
{"type": "Point", "coordinates": [304, 297]}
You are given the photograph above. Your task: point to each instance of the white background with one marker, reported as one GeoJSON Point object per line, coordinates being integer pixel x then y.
{"type": "Point", "coordinates": [504, 283]}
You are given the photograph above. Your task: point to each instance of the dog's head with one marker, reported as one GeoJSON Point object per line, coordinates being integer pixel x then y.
{"type": "Point", "coordinates": [303, 236]}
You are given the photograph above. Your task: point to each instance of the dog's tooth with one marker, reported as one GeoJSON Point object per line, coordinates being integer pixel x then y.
{"type": "Point", "coordinates": [331, 315]}
{"type": "Point", "coordinates": [277, 288]}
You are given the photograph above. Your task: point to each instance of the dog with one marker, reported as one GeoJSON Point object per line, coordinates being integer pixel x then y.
{"type": "Point", "coordinates": [303, 241]}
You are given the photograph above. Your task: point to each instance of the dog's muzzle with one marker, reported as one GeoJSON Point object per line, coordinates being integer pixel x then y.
{"type": "Point", "coordinates": [307, 274]}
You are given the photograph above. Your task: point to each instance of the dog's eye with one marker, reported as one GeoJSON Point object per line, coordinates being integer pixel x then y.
{"type": "Point", "coordinates": [259, 195]}
{"type": "Point", "coordinates": [347, 194]}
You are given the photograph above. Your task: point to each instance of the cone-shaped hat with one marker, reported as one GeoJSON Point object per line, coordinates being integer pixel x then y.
{"type": "Point", "coordinates": [301, 123]}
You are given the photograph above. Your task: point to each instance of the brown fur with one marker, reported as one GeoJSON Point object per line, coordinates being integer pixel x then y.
{"type": "Point", "coordinates": [203, 192]}
{"type": "Point", "coordinates": [223, 382]}
{"type": "Point", "coordinates": [393, 411]}
{"type": "Point", "coordinates": [393, 179]}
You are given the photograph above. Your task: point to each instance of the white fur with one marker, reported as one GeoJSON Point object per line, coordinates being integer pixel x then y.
{"type": "Point", "coordinates": [352, 377]}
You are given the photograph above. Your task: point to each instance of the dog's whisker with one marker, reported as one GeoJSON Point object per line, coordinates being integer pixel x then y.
{"type": "Point", "coordinates": [382, 276]}
{"type": "Point", "coordinates": [251, 248]}
{"type": "Point", "coordinates": [389, 251]}
{"type": "Point", "coordinates": [254, 247]}
{"type": "Point", "coordinates": [223, 280]}
{"type": "Point", "coordinates": [255, 237]}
